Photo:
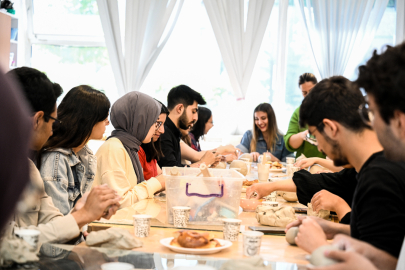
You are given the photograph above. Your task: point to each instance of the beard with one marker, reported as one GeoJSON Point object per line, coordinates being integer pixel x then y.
{"type": "Point", "coordinates": [339, 159]}
{"type": "Point", "coordinates": [184, 123]}
{"type": "Point", "coordinates": [393, 148]}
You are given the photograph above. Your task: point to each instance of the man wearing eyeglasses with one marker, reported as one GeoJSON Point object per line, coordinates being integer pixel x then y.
{"type": "Point", "coordinates": [331, 112]}
{"type": "Point", "coordinates": [42, 215]}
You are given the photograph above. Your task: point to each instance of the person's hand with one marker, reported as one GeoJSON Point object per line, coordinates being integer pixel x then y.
{"type": "Point", "coordinates": [230, 158]}
{"type": "Point", "coordinates": [306, 162]}
{"type": "Point", "coordinates": [310, 235]}
{"type": "Point", "coordinates": [303, 135]}
{"type": "Point", "coordinates": [162, 180]}
{"type": "Point", "coordinates": [255, 156]}
{"type": "Point", "coordinates": [81, 202]}
{"type": "Point", "coordinates": [324, 171]}
{"type": "Point", "coordinates": [324, 200]}
{"type": "Point", "coordinates": [227, 149]}
{"type": "Point", "coordinates": [328, 227]}
{"type": "Point", "coordinates": [345, 242]}
{"type": "Point", "coordinates": [349, 260]}
{"type": "Point", "coordinates": [98, 200]}
{"type": "Point", "coordinates": [208, 158]}
{"type": "Point", "coordinates": [262, 189]}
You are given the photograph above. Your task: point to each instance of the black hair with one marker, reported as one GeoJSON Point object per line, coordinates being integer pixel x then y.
{"type": "Point", "coordinates": [204, 114]}
{"type": "Point", "coordinates": [39, 91]}
{"type": "Point", "coordinates": [307, 77]}
{"type": "Point", "coordinates": [80, 110]}
{"type": "Point", "coordinates": [182, 94]}
{"type": "Point", "coordinates": [336, 99]}
{"type": "Point", "coordinates": [383, 76]}
{"type": "Point", "coordinates": [153, 150]}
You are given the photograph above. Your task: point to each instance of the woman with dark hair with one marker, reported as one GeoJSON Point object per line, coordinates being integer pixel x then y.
{"type": "Point", "coordinates": [135, 119]}
{"type": "Point", "coordinates": [67, 165]}
{"type": "Point", "coordinates": [265, 136]}
{"type": "Point", "coordinates": [149, 153]}
{"type": "Point", "coordinates": [201, 127]}
{"type": "Point", "coordinates": [296, 138]}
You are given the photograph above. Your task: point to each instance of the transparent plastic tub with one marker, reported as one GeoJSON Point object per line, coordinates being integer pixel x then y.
{"type": "Point", "coordinates": [210, 198]}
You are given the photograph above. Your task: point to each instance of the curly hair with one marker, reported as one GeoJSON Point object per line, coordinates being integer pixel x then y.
{"type": "Point", "coordinates": [383, 77]}
{"type": "Point", "coordinates": [335, 98]}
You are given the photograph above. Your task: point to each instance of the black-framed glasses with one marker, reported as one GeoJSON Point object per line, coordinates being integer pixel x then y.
{"type": "Point", "coordinates": [158, 124]}
{"type": "Point", "coordinates": [311, 138]}
{"type": "Point", "coordinates": [56, 124]}
{"type": "Point", "coordinates": [366, 114]}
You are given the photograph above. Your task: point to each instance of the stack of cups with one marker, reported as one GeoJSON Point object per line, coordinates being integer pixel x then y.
{"type": "Point", "coordinates": [272, 197]}
{"type": "Point", "coordinates": [290, 163]}
{"type": "Point", "coordinates": [263, 171]}
{"type": "Point", "coordinates": [141, 225]}
{"type": "Point", "coordinates": [181, 215]}
{"type": "Point", "coordinates": [252, 241]}
{"type": "Point", "coordinates": [231, 229]}
{"type": "Point", "coordinates": [270, 203]}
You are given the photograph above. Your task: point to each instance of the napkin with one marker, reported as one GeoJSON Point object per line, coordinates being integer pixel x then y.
{"type": "Point", "coordinates": [113, 238]}
{"type": "Point", "coordinates": [275, 216]}
{"type": "Point", "coordinates": [254, 263]}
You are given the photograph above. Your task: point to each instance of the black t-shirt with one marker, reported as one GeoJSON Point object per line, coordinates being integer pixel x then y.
{"type": "Point", "coordinates": [378, 215]}
{"type": "Point", "coordinates": [170, 144]}
{"type": "Point", "coordinates": [342, 184]}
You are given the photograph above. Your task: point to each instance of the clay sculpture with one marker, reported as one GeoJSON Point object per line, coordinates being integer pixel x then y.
{"type": "Point", "coordinates": [275, 216]}
{"type": "Point", "coordinates": [291, 234]}
{"type": "Point", "coordinates": [240, 166]}
{"type": "Point", "coordinates": [290, 196]}
{"type": "Point", "coordinates": [247, 156]}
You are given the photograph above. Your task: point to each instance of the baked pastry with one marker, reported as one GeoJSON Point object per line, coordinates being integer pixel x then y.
{"type": "Point", "coordinates": [191, 239]}
{"type": "Point", "coordinates": [248, 183]}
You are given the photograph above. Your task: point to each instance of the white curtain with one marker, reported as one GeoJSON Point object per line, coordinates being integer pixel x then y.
{"type": "Point", "coordinates": [400, 32]}
{"type": "Point", "coordinates": [239, 44]}
{"type": "Point", "coordinates": [145, 23]}
{"type": "Point", "coordinates": [340, 31]}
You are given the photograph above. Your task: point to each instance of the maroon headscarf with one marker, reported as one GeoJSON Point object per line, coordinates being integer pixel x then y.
{"type": "Point", "coordinates": [15, 136]}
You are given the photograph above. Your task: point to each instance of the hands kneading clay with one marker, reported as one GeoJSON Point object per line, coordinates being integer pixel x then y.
{"type": "Point", "coordinates": [318, 258]}
{"type": "Point", "coordinates": [275, 216]}
{"type": "Point", "coordinates": [321, 213]}
{"type": "Point", "coordinates": [113, 238]}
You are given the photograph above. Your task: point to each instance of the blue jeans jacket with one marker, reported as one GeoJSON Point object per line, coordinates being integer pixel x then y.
{"type": "Point", "coordinates": [67, 176]}
{"type": "Point", "coordinates": [279, 149]}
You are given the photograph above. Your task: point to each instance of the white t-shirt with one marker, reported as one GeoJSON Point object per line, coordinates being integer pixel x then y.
{"type": "Point", "coordinates": [401, 260]}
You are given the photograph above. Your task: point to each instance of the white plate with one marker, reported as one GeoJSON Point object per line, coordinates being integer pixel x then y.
{"type": "Point", "coordinates": [196, 251]}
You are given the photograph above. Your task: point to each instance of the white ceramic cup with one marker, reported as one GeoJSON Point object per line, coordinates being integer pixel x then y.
{"type": "Point", "coordinates": [181, 215]}
{"type": "Point", "coordinates": [290, 160]}
{"type": "Point", "coordinates": [252, 241]}
{"type": "Point", "coordinates": [231, 229]}
{"type": "Point", "coordinates": [29, 236]}
{"type": "Point", "coordinates": [294, 169]}
{"type": "Point", "coordinates": [263, 171]}
{"type": "Point", "coordinates": [141, 225]}
{"type": "Point", "coordinates": [117, 266]}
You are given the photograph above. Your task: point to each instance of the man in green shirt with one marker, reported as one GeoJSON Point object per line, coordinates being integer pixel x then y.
{"type": "Point", "coordinates": [295, 139]}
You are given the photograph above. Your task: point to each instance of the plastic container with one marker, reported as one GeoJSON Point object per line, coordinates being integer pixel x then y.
{"type": "Point", "coordinates": [210, 199]}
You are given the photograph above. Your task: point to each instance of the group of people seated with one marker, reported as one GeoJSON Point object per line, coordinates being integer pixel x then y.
{"type": "Point", "coordinates": [362, 137]}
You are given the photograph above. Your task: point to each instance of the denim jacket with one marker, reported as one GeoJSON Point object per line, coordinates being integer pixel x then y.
{"type": "Point", "coordinates": [279, 149]}
{"type": "Point", "coordinates": [67, 176]}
